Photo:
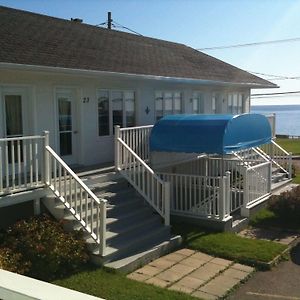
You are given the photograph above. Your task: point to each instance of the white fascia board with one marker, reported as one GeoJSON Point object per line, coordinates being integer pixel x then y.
{"type": "Point", "coordinates": [69, 71]}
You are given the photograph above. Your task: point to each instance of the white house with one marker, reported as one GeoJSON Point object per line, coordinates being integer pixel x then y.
{"type": "Point", "coordinates": [77, 82]}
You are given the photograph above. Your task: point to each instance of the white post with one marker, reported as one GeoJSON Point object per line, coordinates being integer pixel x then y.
{"type": "Point", "coordinates": [222, 197]}
{"type": "Point", "coordinates": [46, 158]}
{"type": "Point", "coordinates": [117, 154]}
{"type": "Point", "coordinates": [290, 165]}
{"type": "Point", "coordinates": [102, 227]}
{"type": "Point", "coordinates": [228, 193]}
{"type": "Point", "coordinates": [270, 178]}
{"type": "Point", "coordinates": [244, 209]}
{"type": "Point", "coordinates": [167, 192]}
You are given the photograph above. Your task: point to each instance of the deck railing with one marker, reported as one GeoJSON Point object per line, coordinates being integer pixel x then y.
{"type": "Point", "coordinates": [199, 196]}
{"type": "Point", "coordinates": [153, 189]}
{"type": "Point", "coordinates": [80, 201]}
{"type": "Point", "coordinates": [137, 138]}
{"type": "Point", "coordinates": [21, 163]}
{"type": "Point", "coordinates": [279, 157]}
{"type": "Point", "coordinates": [257, 183]}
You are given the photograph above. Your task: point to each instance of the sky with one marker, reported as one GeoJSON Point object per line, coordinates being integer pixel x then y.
{"type": "Point", "coordinates": [201, 24]}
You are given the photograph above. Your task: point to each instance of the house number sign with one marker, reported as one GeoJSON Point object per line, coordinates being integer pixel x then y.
{"type": "Point", "coordinates": [86, 100]}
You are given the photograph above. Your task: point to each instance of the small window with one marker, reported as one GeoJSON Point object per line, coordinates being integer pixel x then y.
{"type": "Point", "coordinates": [214, 104]}
{"type": "Point", "coordinates": [198, 103]}
{"type": "Point", "coordinates": [167, 103]}
{"type": "Point", "coordinates": [103, 113]}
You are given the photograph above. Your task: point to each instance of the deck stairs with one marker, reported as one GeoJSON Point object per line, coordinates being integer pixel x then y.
{"type": "Point", "coordinates": [135, 234]}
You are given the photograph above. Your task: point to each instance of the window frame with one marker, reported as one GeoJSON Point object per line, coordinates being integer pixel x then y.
{"type": "Point", "coordinates": [173, 97]}
{"type": "Point", "coordinates": [200, 102]}
{"type": "Point", "coordinates": [110, 108]}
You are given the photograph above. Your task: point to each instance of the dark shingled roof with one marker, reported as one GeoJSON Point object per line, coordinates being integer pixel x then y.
{"type": "Point", "coordinates": [34, 39]}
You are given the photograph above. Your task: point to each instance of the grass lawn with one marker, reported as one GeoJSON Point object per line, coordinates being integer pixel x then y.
{"type": "Point", "coordinates": [229, 245]}
{"type": "Point", "coordinates": [114, 286]}
{"type": "Point", "coordinates": [290, 145]}
{"type": "Point", "coordinates": [265, 218]}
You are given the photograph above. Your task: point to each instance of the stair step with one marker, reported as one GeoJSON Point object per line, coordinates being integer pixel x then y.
{"type": "Point", "coordinates": [150, 251]}
{"type": "Point", "coordinates": [123, 247]}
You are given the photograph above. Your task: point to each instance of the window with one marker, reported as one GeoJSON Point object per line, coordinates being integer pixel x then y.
{"type": "Point", "coordinates": [214, 104]}
{"type": "Point", "coordinates": [167, 103]}
{"type": "Point", "coordinates": [122, 106]}
{"type": "Point", "coordinates": [103, 113]}
{"type": "Point", "coordinates": [198, 103]}
{"type": "Point", "coordinates": [235, 103]}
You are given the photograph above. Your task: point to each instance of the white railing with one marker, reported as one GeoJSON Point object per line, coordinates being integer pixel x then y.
{"type": "Point", "coordinates": [279, 157]}
{"type": "Point", "coordinates": [257, 183]}
{"type": "Point", "coordinates": [272, 120]}
{"type": "Point", "coordinates": [153, 189]}
{"type": "Point", "coordinates": [199, 196]}
{"type": "Point", "coordinates": [80, 201]}
{"type": "Point", "coordinates": [137, 138]}
{"type": "Point", "coordinates": [21, 163]}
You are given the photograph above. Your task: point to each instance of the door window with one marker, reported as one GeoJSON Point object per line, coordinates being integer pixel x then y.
{"type": "Point", "coordinates": [13, 115]}
{"type": "Point", "coordinates": [65, 126]}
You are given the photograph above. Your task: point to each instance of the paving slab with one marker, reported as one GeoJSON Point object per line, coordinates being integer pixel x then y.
{"type": "Point", "coordinates": [180, 288]}
{"type": "Point", "coordinates": [220, 285]}
{"type": "Point", "coordinates": [221, 261]}
{"type": "Point", "coordinates": [157, 281]}
{"type": "Point", "coordinates": [176, 257]}
{"type": "Point", "coordinates": [191, 282]}
{"type": "Point", "coordinates": [185, 251]}
{"type": "Point", "coordinates": [148, 270]}
{"type": "Point", "coordinates": [205, 296]}
{"type": "Point", "coordinates": [162, 263]}
{"type": "Point", "coordinates": [138, 277]}
{"type": "Point", "coordinates": [207, 271]}
{"type": "Point", "coordinates": [243, 268]}
{"type": "Point", "coordinates": [194, 273]}
{"type": "Point", "coordinates": [169, 276]}
{"type": "Point", "coordinates": [193, 262]}
{"type": "Point", "coordinates": [234, 273]}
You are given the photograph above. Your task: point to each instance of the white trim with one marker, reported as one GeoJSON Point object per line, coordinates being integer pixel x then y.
{"type": "Point", "coordinates": [128, 75]}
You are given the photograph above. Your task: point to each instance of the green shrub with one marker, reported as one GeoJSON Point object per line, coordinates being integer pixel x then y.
{"type": "Point", "coordinates": [13, 261]}
{"type": "Point", "coordinates": [51, 252]}
{"type": "Point", "coordinates": [287, 206]}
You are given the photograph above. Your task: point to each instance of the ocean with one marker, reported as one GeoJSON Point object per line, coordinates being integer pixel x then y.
{"type": "Point", "coordinates": [287, 117]}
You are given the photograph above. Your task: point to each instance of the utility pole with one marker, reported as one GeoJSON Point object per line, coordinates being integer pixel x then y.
{"type": "Point", "coordinates": [109, 20]}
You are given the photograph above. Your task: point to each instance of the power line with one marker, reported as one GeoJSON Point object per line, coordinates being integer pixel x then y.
{"type": "Point", "coordinates": [127, 28]}
{"type": "Point", "coordinates": [297, 39]}
{"type": "Point", "coordinates": [274, 94]}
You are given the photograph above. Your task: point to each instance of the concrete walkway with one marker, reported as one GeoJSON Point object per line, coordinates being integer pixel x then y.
{"type": "Point", "coordinates": [194, 273]}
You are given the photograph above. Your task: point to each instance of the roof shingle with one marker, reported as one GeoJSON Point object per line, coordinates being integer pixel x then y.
{"type": "Point", "coordinates": [33, 39]}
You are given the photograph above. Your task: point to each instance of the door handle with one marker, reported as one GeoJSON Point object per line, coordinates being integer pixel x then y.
{"type": "Point", "coordinates": [75, 131]}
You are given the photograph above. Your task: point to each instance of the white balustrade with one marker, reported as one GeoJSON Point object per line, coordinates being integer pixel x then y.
{"type": "Point", "coordinates": [81, 202]}
{"type": "Point", "coordinates": [257, 183]}
{"type": "Point", "coordinates": [21, 163]}
{"type": "Point", "coordinates": [199, 196]}
{"type": "Point", "coordinates": [279, 157]}
{"type": "Point", "coordinates": [137, 138]}
{"type": "Point", "coordinates": [154, 190]}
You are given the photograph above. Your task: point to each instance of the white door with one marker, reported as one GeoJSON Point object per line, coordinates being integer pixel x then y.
{"type": "Point", "coordinates": [67, 131]}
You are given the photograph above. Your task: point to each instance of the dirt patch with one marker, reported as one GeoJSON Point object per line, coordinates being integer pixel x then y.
{"type": "Point", "coordinates": [275, 235]}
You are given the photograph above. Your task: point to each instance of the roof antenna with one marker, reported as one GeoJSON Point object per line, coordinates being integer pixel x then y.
{"type": "Point", "coordinates": [109, 20]}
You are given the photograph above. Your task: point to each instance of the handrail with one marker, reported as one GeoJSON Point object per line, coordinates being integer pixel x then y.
{"type": "Point", "coordinates": [30, 137]}
{"type": "Point", "coordinates": [153, 189]}
{"type": "Point", "coordinates": [280, 148]}
{"type": "Point", "coordinates": [79, 181]}
{"type": "Point", "coordinates": [136, 127]}
{"type": "Point", "coordinates": [258, 166]}
{"type": "Point", "coordinates": [140, 161]}
{"type": "Point", "coordinates": [80, 201]}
